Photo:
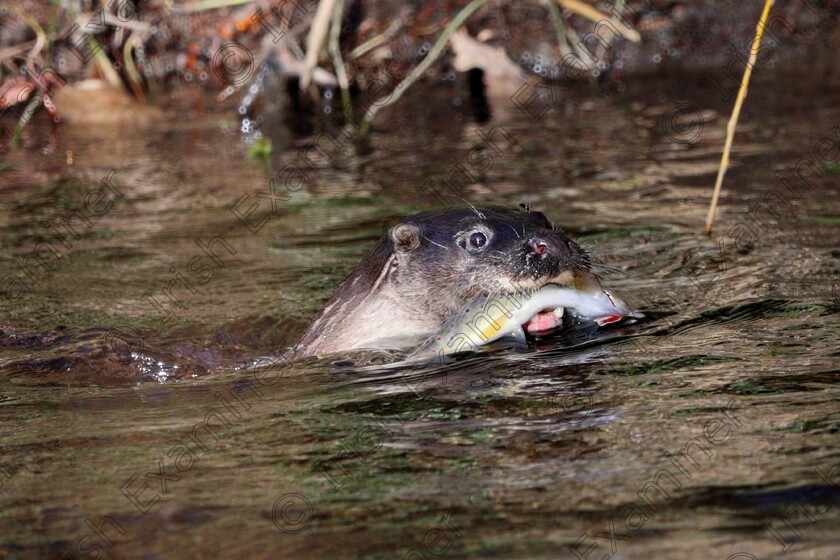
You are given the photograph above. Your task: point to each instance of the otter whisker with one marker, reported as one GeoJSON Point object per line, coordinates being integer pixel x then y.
{"type": "Point", "coordinates": [606, 268]}
{"type": "Point", "coordinates": [479, 214]}
{"type": "Point", "coordinates": [433, 243]}
{"type": "Point", "coordinates": [499, 258]}
{"type": "Point", "coordinates": [514, 231]}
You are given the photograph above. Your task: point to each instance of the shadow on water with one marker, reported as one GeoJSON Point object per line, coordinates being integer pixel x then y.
{"type": "Point", "coordinates": [538, 453]}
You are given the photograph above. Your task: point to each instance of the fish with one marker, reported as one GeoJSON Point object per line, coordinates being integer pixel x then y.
{"type": "Point", "coordinates": [485, 319]}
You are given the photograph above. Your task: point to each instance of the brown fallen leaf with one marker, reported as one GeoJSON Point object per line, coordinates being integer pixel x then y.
{"type": "Point", "coordinates": [16, 90]}
{"type": "Point", "coordinates": [502, 76]}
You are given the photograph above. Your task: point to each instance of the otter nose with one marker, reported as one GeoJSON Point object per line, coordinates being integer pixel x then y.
{"type": "Point", "coordinates": [539, 246]}
{"type": "Point", "coordinates": [542, 246]}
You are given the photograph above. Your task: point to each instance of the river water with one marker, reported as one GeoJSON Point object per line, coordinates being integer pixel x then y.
{"type": "Point", "coordinates": [147, 427]}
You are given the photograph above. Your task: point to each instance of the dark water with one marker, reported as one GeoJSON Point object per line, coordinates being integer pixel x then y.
{"type": "Point", "coordinates": [537, 454]}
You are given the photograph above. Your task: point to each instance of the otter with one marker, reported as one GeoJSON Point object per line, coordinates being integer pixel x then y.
{"type": "Point", "coordinates": [429, 265]}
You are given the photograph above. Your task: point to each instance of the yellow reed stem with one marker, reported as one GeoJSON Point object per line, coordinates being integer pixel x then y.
{"type": "Point", "coordinates": [736, 111]}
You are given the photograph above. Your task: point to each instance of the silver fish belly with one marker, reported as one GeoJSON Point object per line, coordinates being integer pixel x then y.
{"type": "Point", "coordinates": [486, 319]}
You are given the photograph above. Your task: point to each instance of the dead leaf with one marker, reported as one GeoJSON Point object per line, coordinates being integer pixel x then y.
{"type": "Point", "coordinates": [502, 76]}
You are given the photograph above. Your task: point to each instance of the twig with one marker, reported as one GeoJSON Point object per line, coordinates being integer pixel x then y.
{"type": "Point", "coordinates": [131, 24]}
{"type": "Point", "coordinates": [293, 66]}
{"type": "Point", "coordinates": [583, 9]}
{"type": "Point", "coordinates": [202, 5]}
{"type": "Point", "coordinates": [630, 33]}
{"type": "Point", "coordinates": [24, 120]}
{"type": "Point", "coordinates": [11, 51]}
{"type": "Point", "coordinates": [371, 44]}
{"type": "Point", "coordinates": [112, 20]}
{"type": "Point", "coordinates": [421, 68]}
{"type": "Point", "coordinates": [559, 27]}
{"type": "Point", "coordinates": [736, 111]}
{"type": "Point", "coordinates": [315, 40]}
{"type": "Point", "coordinates": [130, 69]}
{"type": "Point", "coordinates": [40, 36]}
{"type": "Point", "coordinates": [590, 13]}
{"type": "Point", "coordinates": [575, 42]}
{"type": "Point", "coordinates": [105, 67]}
{"type": "Point", "coordinates": [148, 72]}
{"type": "Point", "coordinates": [335, 50]}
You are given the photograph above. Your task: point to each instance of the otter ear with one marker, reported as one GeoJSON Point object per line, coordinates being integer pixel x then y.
{"type": "Point", "coordinates": [542, 217]}
{"type": "Point", "coordinates": [406, 237]}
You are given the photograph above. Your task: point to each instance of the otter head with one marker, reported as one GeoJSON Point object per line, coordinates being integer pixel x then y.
{"type": "Point", "coordinates": [430, 264]}
{"type": "Point", "coordinates": [445, 258]}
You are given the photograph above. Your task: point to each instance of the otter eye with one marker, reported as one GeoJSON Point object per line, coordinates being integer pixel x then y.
{"type": "Point", "coordinates": [477, 240]}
